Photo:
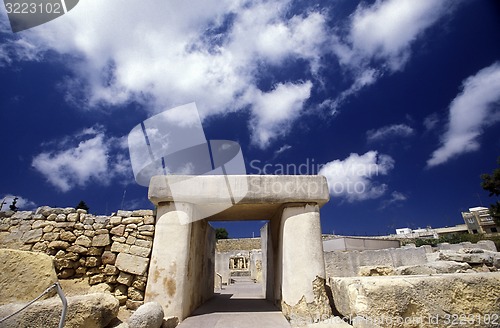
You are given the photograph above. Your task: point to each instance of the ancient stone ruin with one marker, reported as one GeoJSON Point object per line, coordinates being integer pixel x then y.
{"type": "Point", "coordinates": [165, 264]}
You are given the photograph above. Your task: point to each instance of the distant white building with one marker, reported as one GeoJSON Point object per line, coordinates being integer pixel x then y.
{"type": "Point", "coordinates": [479, 220]}
{"type": "Point", "coordinates": [403, 231]}
{"type": "Point", "coordinates": [430, 232]}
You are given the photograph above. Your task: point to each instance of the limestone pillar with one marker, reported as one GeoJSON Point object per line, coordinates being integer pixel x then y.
{"type": "Point", "coordinates": [167, 280]}
{"type": "Point", "coordinates": [303, 293]}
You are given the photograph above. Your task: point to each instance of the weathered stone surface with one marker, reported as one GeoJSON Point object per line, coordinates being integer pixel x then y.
{"type": "Point", "coordinates": [100, 288]}
{"type": "Point", "coordinates": [133, 305]}
{"type": "Point", "coordinates": [92, 261]}
{"type": "Point", "coordinates": [101, 240]}
{"type": "Point", "coordinates": [414, 297]}
{"type": "Point", "coordinates": [84, 311]}
{"type": "Point", "coordinates": [118, 230]}
{"type": "Point", "coordinates": [144, 243]}
{"type": "Point", "coordinates": [119, 239]}
{"type": "Point", "coordinates": [40, 246]}
{"type": "Point", "coordinates": [108, 257]}
{"type": "Point", "coordinates": [73, 217]}
{"type": "Point", "coordinates": [32, 236]}
{"type": "Point", "coordinates": [148, 315]}
{"type": "Point", "coordinates": [38, 217]}
{"type": "Point", "coordinates": [77, 249]}
{"type": "Point", "coordinates": [51, 236]}
{"type": "Point", "coordinates": [95, 251]}
{"type": "Point", "coordinates": [469, 255]}
{"type": "Point", "coordinates": [69, 210]}
{"type": "Point", "coordinates": [375, 271]}
{"type": "Point", "coordinates": [24, 275]}
{"type": "Point", "coordinates": [347, 264]}
{"type": "Point", "coordinates": [44, 210]}
{"type": "Point", "coordinates": [111, 280]}
{"type": "Point", "coordinates": [124, 214]}
{"type": "Point", "coordinates": [88, 221]}
{"type": "Point", "coordinates": [125, 278]}
{"type": "Point", "coordinates": [131, 240]}
{"type": "Point", "coordinates": [66, 273]}
{"type": "Point", "coordinates": [121, 290]}
{"type": "Point", "coordinates": [68, 236]}
{"type": "Point", "coordinates": [115, 220]}
{"type": "Point", "coordinates": [132, 220]}
{"type": "Point", "coordinates": [22, 215]}
{"type": "Point", "coordinates": [139, 283]}
{"type": "Point", "coordinates": [487, 245]}
{"type": "Point", "coordinates": [62, 263]}
{"type": "Point", "coordinates": [83, 241]}
{"type": "Point", "coordinates": [64, 225]}
{"type": "Point", "coordinates": [58, 244]}
{"type": "Point", "coordinates": [131, 263]}
{"type": "Point", "coordinates": [61, 217]}
{"type": "Point", "coordinates": [39, 224]}
{"type": "Point", "coordinates": [135, 294]}
{"type": "Point", "coordinates": [89, 233]}
{"type": "Point", "coordinates": [146, 227]}
{"type": "Point", "coordinates": [140, 251]}
{"type": "Point", "coordinates": [142, 212]}
{"type": "Point", "coordinates": [433, 268]}
{"type": "Point", "coordinates": [118, 247]}
{"type": "Point", "coordinates": [149, 219]}
{"type": "Point", "coordinates": [110, 270]}
{"type": "Point", "coordinates": [96, 279]}
{"type": "Point", "coordinates": [130, 227]}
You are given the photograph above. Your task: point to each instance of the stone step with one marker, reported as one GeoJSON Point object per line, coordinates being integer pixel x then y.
{"type": "Point", "coordinates": [240, 274]}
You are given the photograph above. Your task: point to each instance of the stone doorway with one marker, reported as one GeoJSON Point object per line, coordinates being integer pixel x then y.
{"type": "Point", "coordinates": [181, 275]}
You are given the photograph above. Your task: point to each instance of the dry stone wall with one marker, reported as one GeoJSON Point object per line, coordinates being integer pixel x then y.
{"type": "Point", "coordinates": [237, 244]}
{"type": "Point", "coordinates": [104, 249]}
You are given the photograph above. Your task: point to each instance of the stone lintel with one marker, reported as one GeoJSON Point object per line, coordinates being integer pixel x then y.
{"type": "Point", "coordinates": [244, 191]}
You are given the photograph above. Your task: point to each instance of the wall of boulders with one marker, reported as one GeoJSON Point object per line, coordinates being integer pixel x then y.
{"type": "Point", "coordinates": [237, 244]}
{"type": "Point", "coordinates": [112, 249]}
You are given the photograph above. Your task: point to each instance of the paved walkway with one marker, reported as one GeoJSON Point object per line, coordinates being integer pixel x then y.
{"type": "Point", "coordinates": [240, 305]}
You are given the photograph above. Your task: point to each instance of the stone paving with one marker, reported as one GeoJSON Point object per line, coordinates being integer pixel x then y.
{"type": "Point", "coordinates": [240, 305]}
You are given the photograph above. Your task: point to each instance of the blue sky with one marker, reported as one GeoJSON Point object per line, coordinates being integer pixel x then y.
{"type": "Point", "coordinates": [396, 102]}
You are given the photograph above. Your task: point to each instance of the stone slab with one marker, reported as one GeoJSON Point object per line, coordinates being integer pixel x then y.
{"type": "Point", "coordinates": [404, 299]}
{"type": "Point", "coordinates": [131, 263]}
{"type": "Point", "coordinates": [269, 192]}
{"type": "Point", "coordinates": [24, 275]}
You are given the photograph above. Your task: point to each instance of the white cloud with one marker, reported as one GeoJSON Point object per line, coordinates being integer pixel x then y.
{"type": "Point", "coordinates": [167, 54]}
{"type": "Point", "coordinates": [387, 29]}
{"type": "Point", "coordinates": [396, 197]}
{"type": "Point", "coordinates": [380, 37]}
{"type": "Point", "coordinates": [216, 52]}
{"type": "Point", "coordinates": [22, 203]}
{"type": "Point", "coordinates": [474, 109]}
{"type": "Point", "coordinates": [276, 109]}
{"type": "Point", "coordinates": [281, 150]}
{"type": "Point", "coordinates": [431, 121]}
{"type": "Point", "coordinates": [88, 162]}
{"type": "Point", "coordinates": [396, 130]}
{"type": "Point", "coordinates": [365, 78]}
{"type": "Point", "coordinates": [353, 177]}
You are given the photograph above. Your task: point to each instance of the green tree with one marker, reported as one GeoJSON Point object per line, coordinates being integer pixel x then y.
{"type": "Point", "coordinates": [13, 206]}
{"type": "Point", "coordinates": [221, 233]}
{"type": "Point", "coordinates": [82, 205]}
{"type": "Point", "coordinates": [491, 183]}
